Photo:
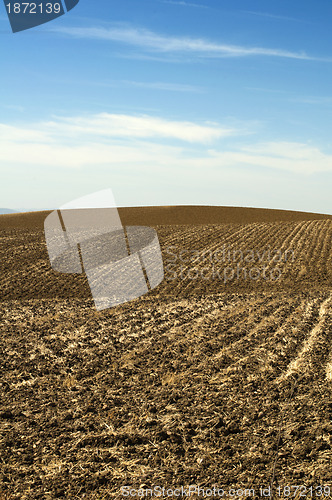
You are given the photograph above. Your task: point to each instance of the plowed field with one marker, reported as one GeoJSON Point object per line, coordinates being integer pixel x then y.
{"type": "Point", "coordinates": [221, 377]}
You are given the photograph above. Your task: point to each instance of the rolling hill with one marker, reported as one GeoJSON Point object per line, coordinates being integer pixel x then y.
{"type": "Point", "coordinates": [6, 211]}
{"type": "Point", "coordinates": [203, 381]}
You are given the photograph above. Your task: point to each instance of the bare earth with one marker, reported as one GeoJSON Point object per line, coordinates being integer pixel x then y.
{"type": "Point", "coordinates": [219, 377]}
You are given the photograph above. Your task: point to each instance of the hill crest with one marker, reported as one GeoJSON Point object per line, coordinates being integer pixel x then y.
{"type": "Point", "coordinates": [176, 215]}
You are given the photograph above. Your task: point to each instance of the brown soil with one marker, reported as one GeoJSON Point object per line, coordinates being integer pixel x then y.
{"type": "Point", "coordinates": [174, 215]}
{"type": "Point", "coordinates": [201, 382]}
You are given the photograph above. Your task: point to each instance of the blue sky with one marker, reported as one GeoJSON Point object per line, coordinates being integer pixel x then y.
{"type": "Point", "coordinates": [202, 102]}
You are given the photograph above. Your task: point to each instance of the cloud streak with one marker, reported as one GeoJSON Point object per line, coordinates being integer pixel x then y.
{"type": "Point", "coordinates": [184, 4]}
{"type": "Point", "coordinates": [154, 42]}
{"type": "Point", "coordinates": [294, 157]}
{"type": "Point", "coordinates": [273, 16]}
{"type": "Point", "coordinates": [106, 125]}
{"type": "Point", "coordinates": [169, 87]}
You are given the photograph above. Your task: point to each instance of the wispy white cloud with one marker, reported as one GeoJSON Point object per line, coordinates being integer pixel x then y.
{"type": "Point", "coordinates": [294, 157]}
{"type": "Point", "coordinates": [273, 16]}
{"type": "Point", "coordinates": [22, 134]}
{"type": "Point", "coordinates": [172, 87]}
{"type": "Point", "coordinates": [13, 107]}
{"type": "Point", "coordinates": [143, 127]}
{"type": "Point", "coordinates": [105, 127]}
{"type": "Point", "coordinates": [184, 4]}
{"type": "Point", "coordinates": [155, 42]}
{"type": "Point", "coordinates": [294, 97]}
{"type": "Point", "coordinates": [271, 91]}
{"type": "Point", "coordinates": [145, 142]}
{"type": "Point", "coordinates": [323, 100]}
